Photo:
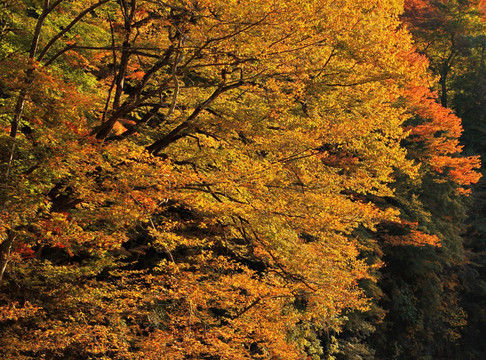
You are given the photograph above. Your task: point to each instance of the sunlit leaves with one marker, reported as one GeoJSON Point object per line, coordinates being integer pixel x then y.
{"type": "Point", "coordinates": [189, 177]}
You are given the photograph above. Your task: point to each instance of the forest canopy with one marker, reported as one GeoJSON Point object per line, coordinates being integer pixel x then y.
{"type": "Point", "coordinates": [210, 179]}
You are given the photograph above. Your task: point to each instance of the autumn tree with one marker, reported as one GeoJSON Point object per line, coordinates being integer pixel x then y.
{"type": "Point", "coordinates": [185, 179]}
{"type": "Point", "coordinates": [422, 285]}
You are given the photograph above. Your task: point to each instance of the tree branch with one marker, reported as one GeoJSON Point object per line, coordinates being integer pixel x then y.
{"type": "Point", "coordinates": [177, 133]}
{"type": "Point", "coordinates": [68, 27]}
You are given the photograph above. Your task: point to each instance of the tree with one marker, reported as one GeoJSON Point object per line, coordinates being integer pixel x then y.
{"type": "Point", "coordinates": [190, 175]}
{"type": "Point", "coordinates": [422, 285]}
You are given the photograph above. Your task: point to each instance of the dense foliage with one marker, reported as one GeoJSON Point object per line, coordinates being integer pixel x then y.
{"type": "Point", "coordinates": [212, 179]}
